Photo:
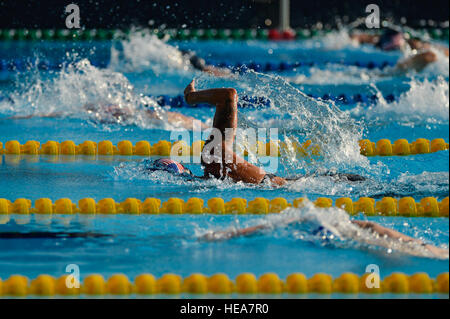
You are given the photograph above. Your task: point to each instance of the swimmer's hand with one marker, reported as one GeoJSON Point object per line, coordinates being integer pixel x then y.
{"type": "Point", "coordinates": [279, 181]}
{"type": "Point", "coordinates": [189, 89]}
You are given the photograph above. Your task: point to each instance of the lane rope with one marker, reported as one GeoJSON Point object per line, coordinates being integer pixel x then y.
{"type": "Point", "coordinates": [383, 147]}
{"type": "Point", "coordinates": [292, 66]}
{"type": "Point", "coordinates": [24, 64]}
{"type": "Point", "coordinates": [248, 101]}
{"type": "Point", "coordinates": [387, 206]}
{"type": "Point", "coordinates": [220, 283]}
{"type": "Point", "coordinates": [186, 34]}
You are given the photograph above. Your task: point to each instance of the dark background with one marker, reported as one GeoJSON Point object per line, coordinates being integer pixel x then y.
{"type": "Point", "coordinates": [212, 13]}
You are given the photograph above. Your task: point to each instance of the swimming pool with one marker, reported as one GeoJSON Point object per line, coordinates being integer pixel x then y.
{"type": "Point", "coordinates": [143, 67]}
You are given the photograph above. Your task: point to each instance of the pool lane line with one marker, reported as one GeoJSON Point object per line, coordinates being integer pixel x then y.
{"type": "Point", "coordinates": [261, 66]}
{"type": "Point", "coordinates": [50, 235]}
{"type": "Point", "coordinates": [383, 147]}
{"type": "Point", "coordinates": [248, 101]}
{"type": "Point", "coordinates": [386, 206]}
{"type": "Point", "coordinates": [220, 283]}
{"type": "Point", "coordinates": [184, 34]}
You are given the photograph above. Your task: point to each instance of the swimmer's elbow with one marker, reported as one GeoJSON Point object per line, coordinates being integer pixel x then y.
{"type": "Point", "coordinates": [364, 224]}
{"type": "Point", "coordinates": [229, 97]}
{"type": "Point", "coordinates": [429, 57]}
{"type": "Point", "coordinates": [231, 93]}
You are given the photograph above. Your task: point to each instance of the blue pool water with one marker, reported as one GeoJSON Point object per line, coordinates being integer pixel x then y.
{"type": "Point", "coordinates": [144, 66]}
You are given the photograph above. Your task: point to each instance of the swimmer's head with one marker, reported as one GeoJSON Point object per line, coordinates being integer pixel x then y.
{"type": "Point", "coordinates": [391, 40]}
{"type": "Point", "coordinates": [171, 166]}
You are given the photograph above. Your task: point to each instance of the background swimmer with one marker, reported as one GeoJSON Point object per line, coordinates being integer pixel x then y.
{"type": "Point", "coordinates": [396, 40]}
{"type": "Point", "coordinates": [374, 228]}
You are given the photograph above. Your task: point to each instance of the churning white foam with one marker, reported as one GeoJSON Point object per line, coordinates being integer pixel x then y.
{"type": "Point", "coordinates": [407, 184]}
{"type": "Point", "coordinates": [81, 90]}
{"type": "Point", "coordinates": [426, 101]}
{"type": "Point", "coordinates": [339, 231]}
{"type": "Point", "coordinates": [336, 74]}
{"type": "Point", "coordinates": [142, 51]}
{"type": "Point", "coordinates": [304, 118]}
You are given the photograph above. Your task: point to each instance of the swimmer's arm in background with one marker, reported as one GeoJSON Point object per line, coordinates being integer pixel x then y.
{"type": "Point", "coordinates": [219, 72]}
{"type": "Point", "coordinates": [227, 234]}
{"type": "Point", "coordinates": [387, 232]}
{"type": "Point", "coordinates": [382, 231]}
{"type": "Point", "coordinates": [417, 62]}
{"type": "Point", "coordinates": [420, 45]}
{"type": "Point", "coordinates": [24, 117]}
{"type": "Point", "coordinates": [365, 38]}
{"type": "Point", "coordinates": [178, 119]}
{"type": "Point", "coordinates": [187, 122]}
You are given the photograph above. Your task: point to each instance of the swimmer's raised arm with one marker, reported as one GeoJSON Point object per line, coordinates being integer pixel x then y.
{"type": "Point", "coordinates": [225, 118]}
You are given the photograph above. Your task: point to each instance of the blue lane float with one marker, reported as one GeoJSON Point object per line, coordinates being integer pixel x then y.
{"type": "Point", "coordinates": [248, 101]}
{"type": "Point", "coordinates": [285, 66]}
{"type": "Point", "coordinates": [22, 64]}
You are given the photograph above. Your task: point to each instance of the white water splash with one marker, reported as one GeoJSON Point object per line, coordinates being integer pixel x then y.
{"type": "Point", "coordinates": [425, 102]}
{"type": "Point", "coordinates": [319, 121]}
{"type": "Point", "coordinates": [136, 171]}
{"type": "Point", "coordinates": [143, 51]}
{"type": "Point", "coordinates": [427, 183]}
{"type": "Point", "coordinates": [337, 39]}
{"type": "Point", "coordinates": [334, 40]}
{"type": "Point", "coordinates": [81, 90]}
{"type": "Point", "coordinates": [340, 231]}
{"type": "Point", "coordinates": [336, 74]}
{"type": "Point", "coordinates": [440, 67]}
{"type": "Point", "coordinates": [407, 184]}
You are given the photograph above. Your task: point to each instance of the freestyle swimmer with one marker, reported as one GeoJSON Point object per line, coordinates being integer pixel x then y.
{"type": "Point", "coordinates": [391, 40]}
{"type": "Point", "coordinates": [118, 114]}
{"type": "Point", "coordinates": [376, 229]}
{"type": "Point", "coordinates": [228, 164]}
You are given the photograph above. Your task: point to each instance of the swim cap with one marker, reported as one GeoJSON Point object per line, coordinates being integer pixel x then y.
{"type": "Point", "coordinates": [391, 40]}
{"type": "Point", "coordinates": [171, 166]}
